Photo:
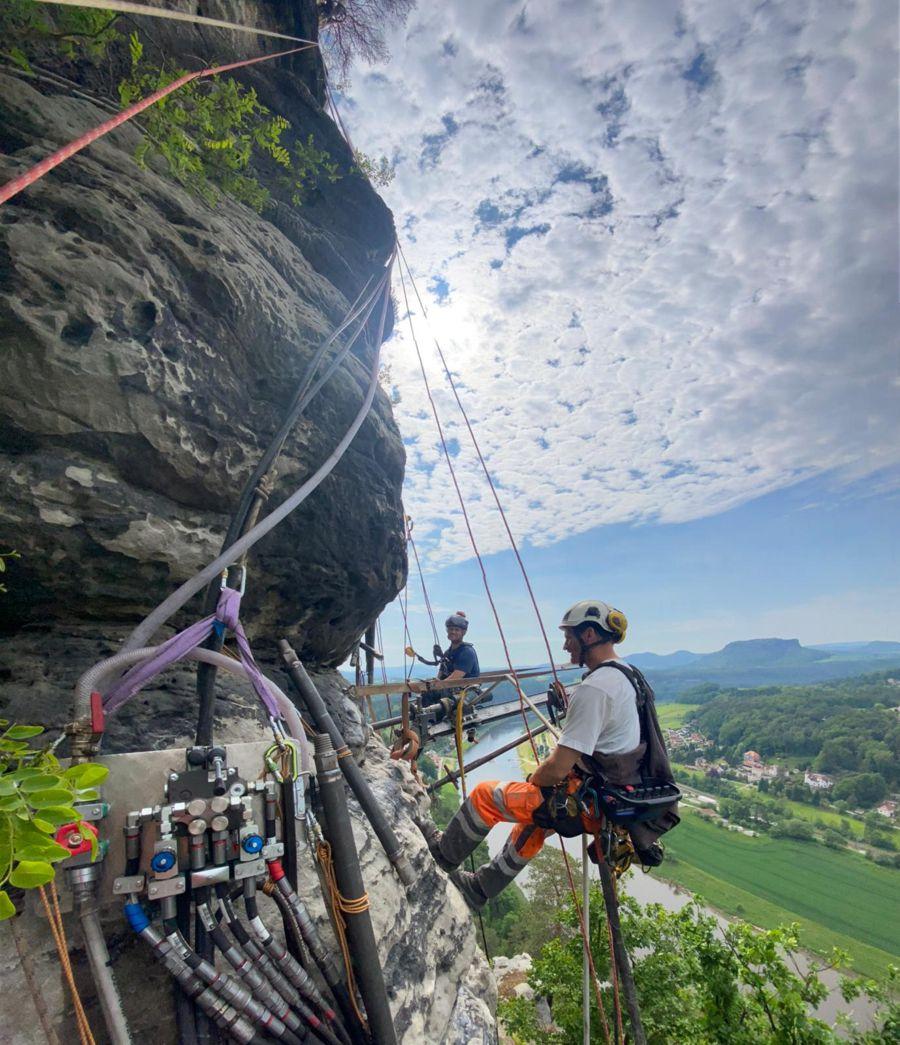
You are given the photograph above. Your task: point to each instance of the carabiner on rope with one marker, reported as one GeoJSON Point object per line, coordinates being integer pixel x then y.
{"type": "Point", "coordinates": [235, 566]}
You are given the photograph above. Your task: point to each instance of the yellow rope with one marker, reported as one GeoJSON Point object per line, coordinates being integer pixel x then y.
{"type": "Point", "coordinates": [341, 905]}
{"type": "Point", "coordinates": [460, 707]}
{"type": "Point", "coordinates": [54, 919]}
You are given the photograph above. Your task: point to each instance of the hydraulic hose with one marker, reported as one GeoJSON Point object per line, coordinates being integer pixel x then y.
{"type": "Point", "coordinates": [268, 967]}
{"type": "Point", "coordinates": [324, 723]}
{"type": "Point", "coordinates": [178, 598]}
{"type": "Point", "coordinates": [93, 679]}
{"type": "Point", "coordinates": [252, 498]}
{"type": "Point", "coordinates": [257, 984]}
{"type": "Point", "coordinates": [292, 969]}
{"type": "Point", "coordinates": [223, 1014]}
{"type": "Point", "coordinates": [360, 934]}
{"type": "Point", "coordinates": [234, 993]}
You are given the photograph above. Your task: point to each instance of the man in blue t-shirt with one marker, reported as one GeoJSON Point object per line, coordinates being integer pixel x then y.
{"type": "Point", "coordinates": [459, 660]}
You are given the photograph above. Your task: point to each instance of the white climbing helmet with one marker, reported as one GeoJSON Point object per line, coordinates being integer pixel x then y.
{"type": "Point", "coordinates": [593, 611]}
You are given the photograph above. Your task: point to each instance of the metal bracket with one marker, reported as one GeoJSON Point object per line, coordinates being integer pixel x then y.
{"type": "Point", "coordinates": [125, 884]}
{"type": "Point", "coordinates": [156, 890]}
{"type": "Point", "coordinates": [273, 851]}
{"type": "Point", "coordinates": [249, 869]}
{"type": "Point", "coordinates": [209, 876]}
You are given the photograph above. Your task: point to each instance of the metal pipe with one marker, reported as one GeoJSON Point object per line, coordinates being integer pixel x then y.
{"type": "Point", "coordinates": [453, 774]}
{"type": "Point", "coordinates": [626, 977]}
{"type": "Point", "coordinates": [586, 959]}
{"type": "Point", "coordinates": [533, 707]}
{"type": "Point", "coordinates": [369, 647]}
{"type": "Point", "coordinates": [321, 716]}
{"type": "Point", "coordinates": [360, 934]}
{"type": "Point", "coordinates": [98, 957]}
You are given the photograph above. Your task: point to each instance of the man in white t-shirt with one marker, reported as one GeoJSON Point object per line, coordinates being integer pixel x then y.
{"type": "Point", "coordinates": [601, 721]}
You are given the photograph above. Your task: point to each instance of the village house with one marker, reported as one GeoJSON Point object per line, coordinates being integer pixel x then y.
{"type": "Point", "coordinates": [888, 808]}
{"type": "Point", "coordinates": [818, 781]}
{"type": "Point", "coordinates": [754, 769]}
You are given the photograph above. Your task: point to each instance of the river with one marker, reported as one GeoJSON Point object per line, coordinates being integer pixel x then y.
{"type": "Point", "coordinates": [646, 888]}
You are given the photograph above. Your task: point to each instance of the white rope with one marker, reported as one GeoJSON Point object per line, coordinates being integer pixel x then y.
{"type": "Point", "coordinates": [177, 16]}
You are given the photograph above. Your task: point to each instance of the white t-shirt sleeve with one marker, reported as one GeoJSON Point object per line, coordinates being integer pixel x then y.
{"type": "Point", "coordinates": [587, 718]}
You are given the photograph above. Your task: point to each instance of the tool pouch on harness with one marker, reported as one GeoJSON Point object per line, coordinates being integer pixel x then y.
{"type": "Point", "coordinates": [638, 789]}
{"type": "Point", "coordinates": [560, 812]}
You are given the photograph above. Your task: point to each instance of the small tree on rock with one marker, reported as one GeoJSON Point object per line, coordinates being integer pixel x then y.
{"type": "Point", "coordinates": [356, 28]}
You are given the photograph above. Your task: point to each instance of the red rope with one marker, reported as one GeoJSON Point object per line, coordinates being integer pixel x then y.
{"type": "Point", "coordinates": [487, 474]}
{"type": "Point", "coordinates": [412, 544]}
{"type": "Point", "coordinates": [462, 505]}
{"type": "Point", "coordinates": [35, 173]}
{"type": "Point", "coordinates": [384, 677]}
{"type": "Point", "coordinates": [578, 910]}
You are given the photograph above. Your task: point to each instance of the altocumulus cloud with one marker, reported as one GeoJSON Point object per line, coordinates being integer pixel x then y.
{"type": "Point", "coordinates": [657, 242]}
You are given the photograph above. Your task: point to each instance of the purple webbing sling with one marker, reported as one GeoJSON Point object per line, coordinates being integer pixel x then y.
{"type": "Point", "coordinates": [181, 644]}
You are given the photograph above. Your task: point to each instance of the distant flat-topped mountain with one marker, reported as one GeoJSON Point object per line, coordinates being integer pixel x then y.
{"type": "Point", "coordinates": [762, 662]}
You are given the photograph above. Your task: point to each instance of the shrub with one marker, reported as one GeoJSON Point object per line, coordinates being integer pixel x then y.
{"type": "Point", "coordinates": [36, 798]}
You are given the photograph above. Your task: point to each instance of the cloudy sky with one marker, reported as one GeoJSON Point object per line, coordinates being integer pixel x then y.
{"type": "Point", "coordinates": [658, 245]}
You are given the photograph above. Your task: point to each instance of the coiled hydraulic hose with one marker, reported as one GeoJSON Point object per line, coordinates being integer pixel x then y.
{"type": "Point", "coordinates": [93, 679]}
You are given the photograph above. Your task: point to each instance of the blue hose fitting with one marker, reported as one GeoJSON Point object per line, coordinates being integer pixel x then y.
{"type": "Point", "coordinates": [252, 844]}
{"type": "Point", "coordinates": [137, 917]}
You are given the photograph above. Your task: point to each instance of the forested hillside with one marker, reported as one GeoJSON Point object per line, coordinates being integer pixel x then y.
{"type": "Point", "coordinates": [848, 726]}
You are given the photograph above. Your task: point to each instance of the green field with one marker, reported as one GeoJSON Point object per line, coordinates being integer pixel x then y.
{"type": "Point", "coordinates": [839, 899]}
{"type": "Point", "coordinates": [671, 716]}
{"type": "Point", "coordinates": [816, 815]}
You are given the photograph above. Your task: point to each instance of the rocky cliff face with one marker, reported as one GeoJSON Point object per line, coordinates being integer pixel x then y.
{"type": "Point", "coordinates": [149, 345]}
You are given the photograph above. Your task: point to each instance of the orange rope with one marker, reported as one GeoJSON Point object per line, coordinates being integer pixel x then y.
{"type": "Point", "coordinates": [340, 906]}
{"type": "Point", "coordinates": [54, 920]}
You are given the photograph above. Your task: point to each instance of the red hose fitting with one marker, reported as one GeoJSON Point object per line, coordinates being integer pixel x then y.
{"type": "Point", "coordinates": [276, 871]}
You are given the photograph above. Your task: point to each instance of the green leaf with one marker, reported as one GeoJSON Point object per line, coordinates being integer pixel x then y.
{"type": "Point", "coordinates": [41, 782]}
{"type": "Point", "coordinates": [7, 907]}
{"type": "Point", "coordinates": [43, 826]}
{"type": "Point", "coordinates": [23, 732]}
{"type": "Point", "coordinates": [54, 796]}
{"type": "Point", "coordinates": [86, 774]}
{"type": "Point", "coordinates": [49, 851]}
{"type": "Point", "coordinates": [10, 802]}
{"type": "Point", "coordinates": [7, 786]}
{"type": "Point", "coordinates": [59, 814]}
{"type": "Point", "coordinates": [29, 874]}
{"type": "Point", "coordinates": [89, 794]}
{"type": "Point", "coordinates": [28, 773]}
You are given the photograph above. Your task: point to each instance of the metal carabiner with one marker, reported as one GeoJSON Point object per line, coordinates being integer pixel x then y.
{"type": "Point", "coordinates": [235, 566]}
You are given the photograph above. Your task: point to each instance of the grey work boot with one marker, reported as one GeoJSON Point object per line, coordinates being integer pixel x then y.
{"type": "Point", "coordinates": [467, 883]}
{"type": "Point", "coordinates": [491, 879]}
{"type": "Point", "coordinates": [433, 837]}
